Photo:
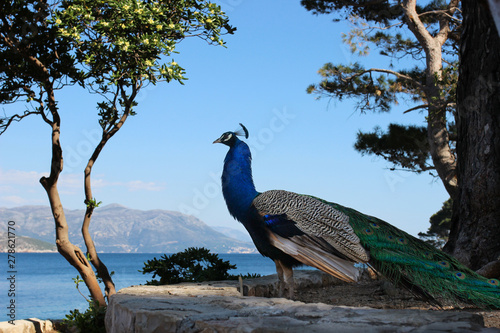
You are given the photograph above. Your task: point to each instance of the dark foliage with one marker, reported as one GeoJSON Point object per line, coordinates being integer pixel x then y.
{"type": "Point", "coordinates": [404, 146]}
{"type": "Point", "coordinates": [381, 11]}
{"type": "Point", "coordinates": [371, 10]}
{"type": "Point", "coordinates": [30, 41]}
{"type": "Point", "coordinates": [90, 321]}
{"type": "Point", "coordinates": [437, 234]}
{"type": "Point", "coordinates": [191, 265]}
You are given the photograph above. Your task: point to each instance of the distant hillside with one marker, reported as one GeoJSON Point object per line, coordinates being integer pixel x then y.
{"type": "Point", "coordinates": [27, 244]}
{"type": "Point", "coordinates": [116, 228]}
{"type": "Point", "coordinates": [234, 233]}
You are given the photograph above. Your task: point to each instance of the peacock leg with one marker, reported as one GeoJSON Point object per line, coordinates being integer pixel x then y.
{"type": "Point", "coordinates": [281, 281]}
{"type": "Point", "coordinates": [289, 282]}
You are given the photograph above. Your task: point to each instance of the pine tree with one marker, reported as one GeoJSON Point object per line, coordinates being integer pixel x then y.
{"type": "Point", "coordinates": [400, 29]}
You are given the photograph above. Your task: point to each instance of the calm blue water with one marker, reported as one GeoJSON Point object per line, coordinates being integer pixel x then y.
{"type": "Point", "coordinates": [45, 289]}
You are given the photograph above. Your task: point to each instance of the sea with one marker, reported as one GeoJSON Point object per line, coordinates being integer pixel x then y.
{"type": "Point", "coordinates": [41, 285]}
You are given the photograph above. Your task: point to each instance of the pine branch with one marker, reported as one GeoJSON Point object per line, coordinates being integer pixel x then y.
{"type": "Point", "coordinates": [388, 71]}
{"type": "Point", "coordinates": [423, 106]}
{"type": "Point", "coordinates": [442, 12]}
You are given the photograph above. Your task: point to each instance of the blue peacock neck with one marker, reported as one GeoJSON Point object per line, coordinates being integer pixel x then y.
{"type": "Point", "coordinates": [237, 183]}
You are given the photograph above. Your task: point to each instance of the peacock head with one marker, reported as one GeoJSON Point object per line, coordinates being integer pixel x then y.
{"type": "Point", "coordinates": [229, 138]}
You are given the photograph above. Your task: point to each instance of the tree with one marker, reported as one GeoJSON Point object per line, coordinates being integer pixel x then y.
{"type": "Point", "coordinates": [191, 265]}
{"type": "Point", "coordinates": [431, 34]}
{"type": "Point", "coordinates": [438, 232]}
{"type": "Point", "coordinates": [474, 236]}
{"type": "Point", "coordinates": [465, 155]}
{"type": "Point", "coordinates": [112, 48]}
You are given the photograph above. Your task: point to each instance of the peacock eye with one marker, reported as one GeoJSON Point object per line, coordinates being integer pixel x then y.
{"type": "Point", "coordinates": [228, 137]}
{"type": "Point", "coordinates": [494, 282]}
{"type": "Point", "coordinates": [368, 231]}
{"type": "Point", "coordinates": [444, 264]}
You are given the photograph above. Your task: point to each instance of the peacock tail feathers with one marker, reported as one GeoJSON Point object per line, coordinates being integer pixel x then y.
{"type": "Point", "coordinates": [424, 270]}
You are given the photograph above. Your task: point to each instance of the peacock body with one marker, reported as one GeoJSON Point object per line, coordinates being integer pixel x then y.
{"type": "Point", "coordinates": [294, 229]}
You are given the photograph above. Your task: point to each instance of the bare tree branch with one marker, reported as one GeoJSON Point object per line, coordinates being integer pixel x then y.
{"type": "Point", "coordinates": [14, 118]}
{"type": "Point", "coordinates": [423, 106]}
{"type": "Point", "coordinates": [388, 71]}
{"type": "Point", "coordinates": [442, 12]}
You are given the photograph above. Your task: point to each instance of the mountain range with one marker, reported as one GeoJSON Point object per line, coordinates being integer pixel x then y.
{"type": "Point", "coordinates": [118, 229]}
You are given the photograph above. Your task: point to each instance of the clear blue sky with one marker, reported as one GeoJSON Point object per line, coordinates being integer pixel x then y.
{"type": "Point", "coordinates": [164, 158]}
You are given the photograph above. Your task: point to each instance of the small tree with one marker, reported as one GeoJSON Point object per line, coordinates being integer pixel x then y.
{"type": "Point", "coordinates": [112, 48]}
{"type": "Point", "coordinates": [438, 232]}
{"type": "Point", "coordinates": [191, 265]}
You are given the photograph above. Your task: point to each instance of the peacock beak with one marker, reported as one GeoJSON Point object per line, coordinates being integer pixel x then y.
{"type": "Point", "coordinates": [217, 141]}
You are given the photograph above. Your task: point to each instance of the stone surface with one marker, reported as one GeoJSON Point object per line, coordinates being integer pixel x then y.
{"type": "Point", "coordinates": [219, 307]}
{"type": "Point", "coordinates": [32, 325]}
{"type": "Point", "coordinates": [267, 286]}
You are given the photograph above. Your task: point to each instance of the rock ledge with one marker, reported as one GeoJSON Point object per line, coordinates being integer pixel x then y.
{"type": "Point", "coordinates": [31, 325]}
{"type": "Point", "coordinates": [219, 307]}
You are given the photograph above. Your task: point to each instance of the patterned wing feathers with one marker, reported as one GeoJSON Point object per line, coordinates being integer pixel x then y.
{"type": "Point", "coordinates": [303, 249]}
{"type": "Point", "coordinates": [316, 218]}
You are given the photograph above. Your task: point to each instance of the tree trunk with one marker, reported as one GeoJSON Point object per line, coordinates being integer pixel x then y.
{"type": "Point", "coordinates": [102, 270]}
{"type": "Point", "coordinates": [108, 132]}
{"type": "Point", "coordinates": [72, 253]}
{"type": "Point", "coordinates": [42, 77]}
{"type": "Point", "coordinates": [475, 231]}
{"type": "Point", "coordinates": [437, 132]}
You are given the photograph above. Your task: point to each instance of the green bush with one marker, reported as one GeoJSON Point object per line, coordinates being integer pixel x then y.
{"type": "Point", "coordinates": [191, 265]}
{"type": "Point", "coordinates": [90, 321]}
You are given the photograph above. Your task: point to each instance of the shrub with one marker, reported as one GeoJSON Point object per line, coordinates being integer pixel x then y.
{"type": "Point", "coordinates": [90, 321]}
{"type": "Point", "coordinates": [191, 265]}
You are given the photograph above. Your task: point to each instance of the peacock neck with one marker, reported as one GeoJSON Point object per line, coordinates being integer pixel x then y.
{"type": "Point", "coordinates": [237, 183]}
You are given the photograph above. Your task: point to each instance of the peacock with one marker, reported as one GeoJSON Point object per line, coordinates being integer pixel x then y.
{"type": "Point", "coordinates": [295, 229]}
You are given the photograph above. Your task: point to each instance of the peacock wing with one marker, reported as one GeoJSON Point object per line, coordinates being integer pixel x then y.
{"type": "Point", "coordinates": [313, 251]}
{"type": "Point", "coordinates": [314, 218]}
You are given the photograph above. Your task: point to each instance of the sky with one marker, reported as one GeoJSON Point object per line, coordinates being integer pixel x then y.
{"type": "Point", "coordinates": [163, 158]}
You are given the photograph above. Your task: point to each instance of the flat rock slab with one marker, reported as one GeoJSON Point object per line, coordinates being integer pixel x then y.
{"type": "Point", "coordinates": [32, 325]}
{"type": "Point", "coordinates": [219, 307]}
{"type": "Point", "coordinates": [267, 286]}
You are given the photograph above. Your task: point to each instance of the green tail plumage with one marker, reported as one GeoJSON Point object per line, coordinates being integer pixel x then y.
{"type": "Point", "coordinates": [424, 270]}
